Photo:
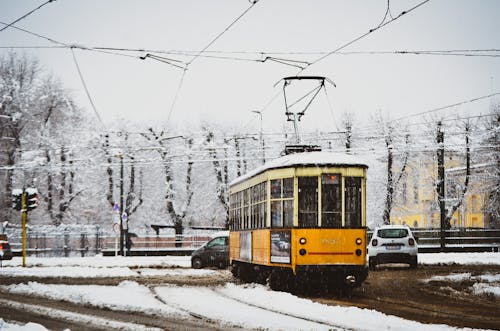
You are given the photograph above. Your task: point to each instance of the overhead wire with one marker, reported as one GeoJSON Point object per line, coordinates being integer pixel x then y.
{"type": "Point", "coordinates": [252, 4]}
{"type": "Point", "coordinates": [446, 107]}
{"type": "Point", "coordinates": [176, 96]}
{"type": "Point", "coordinates": [365, 34]}
{"type": "Point", "coordinates": [26, 15]}
{"type": "Point", "coordinates": [181, 82]}
{"type": "Point", "coordinates": [86, 89]}
{"type": "Point", "coordinates": [258, 54]}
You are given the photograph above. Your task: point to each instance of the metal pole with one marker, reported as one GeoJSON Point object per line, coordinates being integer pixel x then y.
{"type": "Point", "coordinates": [24, 216]}
{"type": "Point", "coordinates": [121, 204]}
{"type": "Point", "coordinates": [441, 187]}
{"type": "Point", "coordinates": [261, 136]}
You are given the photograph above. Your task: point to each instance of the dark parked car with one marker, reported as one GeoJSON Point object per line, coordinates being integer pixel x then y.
{"type": "Point", "coordinates": [213, 253]}
{"type": "Point", "coordinates": [5, 251]}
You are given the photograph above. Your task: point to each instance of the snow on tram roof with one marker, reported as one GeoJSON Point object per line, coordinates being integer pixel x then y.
{"type": "Point", "coordinates": [305, 159]}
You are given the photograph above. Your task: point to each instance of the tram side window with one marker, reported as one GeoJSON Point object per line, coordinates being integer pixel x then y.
{"type": "Point", "coordinates": [259, 201]}
{"type": "Point", "coordinates": [282, 202]}
{"type": "Point", "coordinates": [235, 211]}
{"type": "Point", "coordinates": [308, 202]}
{"type": "Point", "coordinates": [245, 213]}
{"type": "Point", "coordinates": [353, 202]}
{"type": "Point", "coordinates": [331, 201]}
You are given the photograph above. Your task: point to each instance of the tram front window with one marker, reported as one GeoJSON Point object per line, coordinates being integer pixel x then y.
{"type": "Point", "coordinates": [331, 201]}
{"type": "Point", "coordinates": [353, 202]}
{"type": "Point", "coordinates": [308, 202]}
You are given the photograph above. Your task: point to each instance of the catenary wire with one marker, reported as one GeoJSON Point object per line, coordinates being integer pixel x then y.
{"type": "Point", "coordinates": [86, 89]}
{"type": "Point", "coordinates": [26, 15]}
{"type": "Point", "coordinates": [252, 4]}
{"type": "Point", "coordinates": [364, 35]}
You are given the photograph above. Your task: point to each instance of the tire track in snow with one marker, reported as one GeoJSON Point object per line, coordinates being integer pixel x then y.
{"type": "Point", "coordinates": [78, 318]}
{"type": "Point", "coordinates": [222, 318]}
{"type": "Point", "coordinates": [176, 306]}
{"type": "Point", "coordinates": [304, 318]}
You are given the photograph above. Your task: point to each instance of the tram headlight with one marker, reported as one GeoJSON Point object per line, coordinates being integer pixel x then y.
{"type": "Point", "coordinates": [302, 241]}
{"type": "Point", "coordinates": [359, 241]}
{"type": "Point", "coordinates": [302, 252]}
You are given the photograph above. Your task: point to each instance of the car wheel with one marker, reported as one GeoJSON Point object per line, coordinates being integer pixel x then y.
{"type": "Point", "coordinates": [372, 262]}
{"type": "Point", "coordinates": [196, 263]}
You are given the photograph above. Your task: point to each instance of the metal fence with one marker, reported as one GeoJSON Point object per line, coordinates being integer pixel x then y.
{"type": "Point", "coordinates": [457, 240]}
{"type": "Point", "coordinates": [72, 244]}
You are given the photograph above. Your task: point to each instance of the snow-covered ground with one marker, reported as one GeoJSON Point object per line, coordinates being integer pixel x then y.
{"type": "Point", "coordinates": [230, 304]}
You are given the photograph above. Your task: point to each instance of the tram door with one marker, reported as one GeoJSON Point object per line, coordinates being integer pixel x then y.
{"type": "Point", "coordinates": [308, 202]}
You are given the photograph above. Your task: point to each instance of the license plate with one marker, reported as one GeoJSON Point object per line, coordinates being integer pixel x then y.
{"type": "Point", "coordinates": [393, 248]}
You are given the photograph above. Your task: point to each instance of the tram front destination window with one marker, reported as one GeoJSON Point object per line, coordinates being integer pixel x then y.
{"type": "Point", "coordinates": [308, 202]}
{"type": "Point", "coordinates": [352, 202]}
{"type": "Point", "coordinates": [331, 201]}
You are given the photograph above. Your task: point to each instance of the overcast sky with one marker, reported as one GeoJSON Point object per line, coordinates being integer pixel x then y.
{"type": "Point", "coordinates": [226, 91]}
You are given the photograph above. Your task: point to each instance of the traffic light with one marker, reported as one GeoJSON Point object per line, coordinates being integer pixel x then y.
{"type": "Point", "coordinates": [17, 196]}
{"type": "Point", "coordinates": [33, 199]}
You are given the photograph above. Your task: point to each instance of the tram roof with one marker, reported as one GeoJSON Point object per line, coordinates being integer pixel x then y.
{"type": "Point", "coordinates": [307, 159]}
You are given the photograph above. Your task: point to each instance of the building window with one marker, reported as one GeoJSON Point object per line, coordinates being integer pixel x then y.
{"type": "Point", "coordinates": [416, 180]}
{"type": "Point", "coordinates": [474, 204]}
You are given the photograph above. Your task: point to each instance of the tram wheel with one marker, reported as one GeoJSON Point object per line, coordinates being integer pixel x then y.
{"type": "Point", "coordinates": [282, 280]}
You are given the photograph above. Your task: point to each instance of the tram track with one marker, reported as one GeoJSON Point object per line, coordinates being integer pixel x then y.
{"type": "Point", "coordinates": [176, 306]}
{"type": "Point", "coordinates": [304, 318]}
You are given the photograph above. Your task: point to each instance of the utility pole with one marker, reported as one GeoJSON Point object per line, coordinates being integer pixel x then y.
{"type": "Point", "coordinates": [261, 136]}
{"type": "Point", "coordinates": [441, 186]}
{"type": "Point", "coordinates": [24, 217]}
{"type": "Point", "coordinates": [121, 205]}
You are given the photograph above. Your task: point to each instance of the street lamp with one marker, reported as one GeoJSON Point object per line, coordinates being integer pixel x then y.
{"type": "Point", "coordinates": [261, 136]}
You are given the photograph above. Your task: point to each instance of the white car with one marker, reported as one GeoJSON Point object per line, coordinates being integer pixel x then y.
{"type": "Point", "coordinates": [392, 244]}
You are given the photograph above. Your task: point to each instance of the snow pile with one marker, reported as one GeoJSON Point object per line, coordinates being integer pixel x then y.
{"type": "Point", "coordinates": [69, 272]}
{"type": "Point", "coordinates": [483, 284]}
{"type": "Point", "coordinates": [177, 272]}
{"type": "Point", "coordinates": [459, 258]}
{"type": "Point", "coordinates": [4, 326]}
{"type": "Point", "coordinates": [100, 261]}
{"type": "Point", "coordinates": [256, 307]}
{"type": "Point", "coordinates": [481, 288]}
{"type": "Point", "coordinates": [127, 296]}
{"type": "Point", "coordinates": [317, 159]}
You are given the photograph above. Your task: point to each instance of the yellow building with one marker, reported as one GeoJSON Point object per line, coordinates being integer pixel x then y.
{"type": "Point", "coordinates": [416, 205]}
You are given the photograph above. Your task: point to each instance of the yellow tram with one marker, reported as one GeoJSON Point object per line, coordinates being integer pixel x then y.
{"type": "Point", "coordinates": [300, 219]}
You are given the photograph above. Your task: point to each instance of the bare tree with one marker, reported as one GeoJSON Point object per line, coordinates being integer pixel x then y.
{"type": "Point", "coordinates": [177, 214]}
{"type": "Point", "coordinates": [491, 147]}
{"type": "Point", "coordinates": [221, 172]}
{"type": "Point", "coordinates": [33, 111]}
{"type": "Point", "coordinates": [388, 132]}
